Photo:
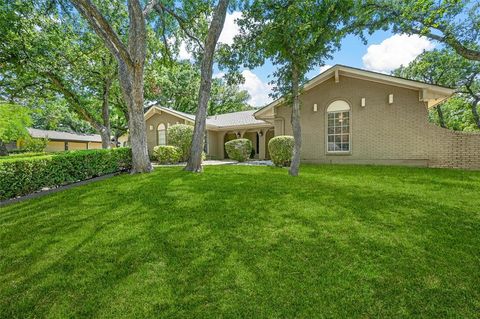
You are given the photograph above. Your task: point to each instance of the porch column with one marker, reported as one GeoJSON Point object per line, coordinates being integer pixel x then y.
{"type": "Point", "coordinates": [261, 144]}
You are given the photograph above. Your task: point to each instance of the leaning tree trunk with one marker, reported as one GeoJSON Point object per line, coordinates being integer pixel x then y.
{"type": "Point", "coordinates": [441, 118]}
{"type": "Point", "coordinates": [195, 161]}
{"type": "Point", "coordinates": [296, 127]}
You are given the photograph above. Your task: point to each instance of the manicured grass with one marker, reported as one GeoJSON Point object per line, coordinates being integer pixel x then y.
{"type": "Point", "coordinates": [251, 242]}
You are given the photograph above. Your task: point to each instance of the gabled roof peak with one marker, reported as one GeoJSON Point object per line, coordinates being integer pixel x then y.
{"type": "Point", "coordinates": [437, 92]}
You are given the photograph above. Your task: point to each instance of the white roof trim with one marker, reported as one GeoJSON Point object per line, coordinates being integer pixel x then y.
{"type": "Point", "coordinates": [158, 109]}
{"type": "Point", "coordinates": [427, 90]}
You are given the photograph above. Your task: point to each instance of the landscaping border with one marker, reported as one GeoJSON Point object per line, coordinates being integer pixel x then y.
{"type": "Point", "coordinates": [42, 193]}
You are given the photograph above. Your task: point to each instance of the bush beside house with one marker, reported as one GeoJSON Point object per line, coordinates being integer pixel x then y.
{"type": "Point", "coordinates": [239, 149]}
{"type": "Point", "coordinates": [167, 154]}
{"type": "Point", "coordinates": [181, 136]}
{"type": "Point", "coordinates": [281, 150]}
{"type": "Point", "coordinates": [24, 175]}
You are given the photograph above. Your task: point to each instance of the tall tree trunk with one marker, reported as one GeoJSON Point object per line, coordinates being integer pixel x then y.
{"type": "Point", "coordinates": [131, 61]}
{"type": "Point", "coordinates": [441, 118]}
{"type": "Point", "coordinates": [131, 83]}
{"type": "Point", "coordinates": [195, 161]}
{"type": "Point", "coordinates": [295, 120]}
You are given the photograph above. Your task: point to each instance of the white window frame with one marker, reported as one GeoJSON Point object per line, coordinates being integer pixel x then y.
{"type": "Point", "coordinates": [339, 106]}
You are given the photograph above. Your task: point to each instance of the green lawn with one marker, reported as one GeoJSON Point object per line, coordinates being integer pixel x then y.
{"type": "Point", "coordinates": [252, 242]}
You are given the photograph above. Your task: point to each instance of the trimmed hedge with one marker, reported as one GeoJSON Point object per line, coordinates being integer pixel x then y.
{"type": "Point", "coordinates": [181, 136]}
{"type": "Point", "coordinates": [21, 176]}
{"type": "Point", "coordinates": [23, 155]}
{"type": "Point", "coordinates": [281, 150]}
{"type": "Point", "coordinates": [167, 154]}
{"type": "Point", "coordinates": [239, 149]}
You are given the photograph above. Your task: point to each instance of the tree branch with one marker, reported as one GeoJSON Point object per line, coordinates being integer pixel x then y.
{"type": "Point", "coordinates": [160, 8]}
{"type": "Point", "coordinates": [103, 29]}
{"type": "Point", "coordinates": [74, 100]}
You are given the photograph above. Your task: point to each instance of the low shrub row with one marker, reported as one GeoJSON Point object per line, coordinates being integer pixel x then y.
{"type": "Point", "coordinates": [20, 176]}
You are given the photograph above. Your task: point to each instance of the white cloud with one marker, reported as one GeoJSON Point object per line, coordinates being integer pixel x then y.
{"type": "Point", "coordinates": [397, 50]}
{"type": "Point", "coordinates": [257, 88]}
{"type": "Point", "coordinates": [230, 29]}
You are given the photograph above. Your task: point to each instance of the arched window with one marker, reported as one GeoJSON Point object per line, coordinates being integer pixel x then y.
{"type": "Point", "coordinates": [338, 127]}
{"type": "Point", "coordinates": [162, 134]}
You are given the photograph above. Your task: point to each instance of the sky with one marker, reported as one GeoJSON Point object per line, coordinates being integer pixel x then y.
{"type": "Point", "coordinates": [383, 53]}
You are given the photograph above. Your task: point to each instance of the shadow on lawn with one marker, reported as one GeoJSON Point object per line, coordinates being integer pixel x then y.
{"type": "Point", "coordinates": [251, 242]}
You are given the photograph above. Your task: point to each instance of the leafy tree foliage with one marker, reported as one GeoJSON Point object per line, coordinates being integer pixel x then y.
{"type": "Point", "coordinates": [445, 67]}
{"type": "Point", "coordinates": [55, 57]}
{"type": "Point", "coordinates": [176, 85]}
{"type": "Point", "coordinates": [455, 23]}
{"type": "Point", "coordinates": [14, 121]}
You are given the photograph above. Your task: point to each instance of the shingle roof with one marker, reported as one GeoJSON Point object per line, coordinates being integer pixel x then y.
{"type": "Point", "coordinates": [64, 136]}
{"type": "Point", "coordinates": [234, 119]}
{"type": "Point", "coordinates": [241, 118]}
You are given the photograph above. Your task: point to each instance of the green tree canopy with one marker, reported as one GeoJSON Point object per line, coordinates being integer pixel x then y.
{"type": "Point", "coordinates": [176, 85]}
{"type": "Point", "coordinates": [455, 23]}
{"type": "Point", "coordinates": [445, 67]}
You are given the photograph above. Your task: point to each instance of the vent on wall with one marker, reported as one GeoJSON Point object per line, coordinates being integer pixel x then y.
{"type": "Point", "coordinates": [390, 99]}
{"type": "Point", "coordinates": [362, 103]}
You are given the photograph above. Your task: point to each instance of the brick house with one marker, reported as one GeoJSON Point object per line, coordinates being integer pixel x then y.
{"type": "Point", "coordinates": [348, 115]}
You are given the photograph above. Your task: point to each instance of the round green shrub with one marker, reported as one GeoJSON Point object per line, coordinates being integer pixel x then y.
{"type": "Point", "coordinates": [167, 154]}
{"type": "Point", "coordinates": [281, 150]}
{"type": "Point", "coordinates": [181, 136]}
{"type": "Point", "coordinates": [239, 149]}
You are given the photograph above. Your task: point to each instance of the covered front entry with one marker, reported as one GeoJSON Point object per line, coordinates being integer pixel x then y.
{"type": "Point", "coordinates": [259, 138]}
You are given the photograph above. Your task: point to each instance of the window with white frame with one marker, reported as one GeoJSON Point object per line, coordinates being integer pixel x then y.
{"type": "Point", "coordinates": [338, 127]}
{"type": "Point", "coordinates": [162, 134]}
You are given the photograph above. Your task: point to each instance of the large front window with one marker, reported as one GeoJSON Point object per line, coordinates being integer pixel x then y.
{"type": "Point", "coordinates": [338, 127]}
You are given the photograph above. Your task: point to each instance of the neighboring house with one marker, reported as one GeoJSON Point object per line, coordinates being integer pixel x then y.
{"type": "Point", "coordinates": [348, 115]}
{"type": "Point", "coordinates": [63, 141]}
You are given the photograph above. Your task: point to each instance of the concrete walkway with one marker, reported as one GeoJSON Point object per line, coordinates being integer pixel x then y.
{"type": "Point", "coordinates": [222, 162]}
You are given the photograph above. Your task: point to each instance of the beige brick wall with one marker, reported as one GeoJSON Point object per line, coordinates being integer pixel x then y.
{"type": "Point", "coordinates": [382, 133]}
{"type": "Point", "coordinates": [94, 146]}
{"type": "Point", "coordinates": [55, 146]}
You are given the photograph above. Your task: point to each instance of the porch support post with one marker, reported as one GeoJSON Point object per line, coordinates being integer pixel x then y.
{"type": "Point", "coordinates": [262, 145]}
